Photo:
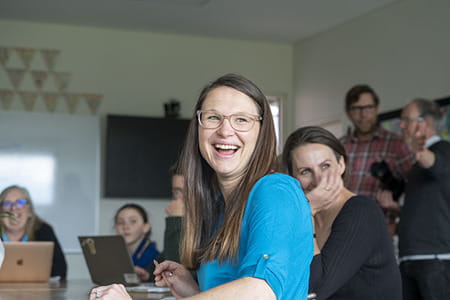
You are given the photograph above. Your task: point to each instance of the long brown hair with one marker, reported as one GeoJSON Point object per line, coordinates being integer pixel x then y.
{"type": "Point", "coordinates": [34, 222]}
{"type": "Point", "coordinates": [205, 238]}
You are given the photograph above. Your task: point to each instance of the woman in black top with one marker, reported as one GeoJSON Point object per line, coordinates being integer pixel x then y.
{"type": "Point", "coordinates": [354, 257]}
{"type": "Point", "coordinates": [27, 226]}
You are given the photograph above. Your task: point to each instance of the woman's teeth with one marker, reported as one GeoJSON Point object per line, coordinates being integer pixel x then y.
{"type": "Point", "coordinates": [226, 147]}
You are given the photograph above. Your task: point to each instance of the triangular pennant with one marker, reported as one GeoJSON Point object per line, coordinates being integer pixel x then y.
{"type": "Point", "coordinates": [26, 55]}
{"type": "Point", "coordinates": [50, 100]}
{"type": "Point", "coordinates": [6, 98]}
{"type": "Point", "coordinates": [28, 99]}
{"type": "Point", "coordinates": [15, 76]}
{"type": "Point", "coordinates": [72, 101]}
{"type": "Point", "coordinates": [39, 78]}
{"type": "Point", "coordinates": [49, 56]}
{"type": "Point", "coordinates": [93, 101]}
{"type": "Point", "coordinates": [4, 55]}
{"type": "Point", "coordinates": [61, 80]}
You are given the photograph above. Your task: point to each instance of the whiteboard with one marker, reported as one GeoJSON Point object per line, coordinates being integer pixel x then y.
{"type": "Point", "coordinates": [56, 157]}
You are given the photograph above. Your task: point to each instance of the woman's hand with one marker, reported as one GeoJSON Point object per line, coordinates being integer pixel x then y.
{"type": "Point", "coordinates": [326, 191]}
{"type": "Point", "coordinates": [176, 277]}
{"type": "Point", "coordinates": [113, 292]}
{"type": "Point", "coordinates": [143, 275]}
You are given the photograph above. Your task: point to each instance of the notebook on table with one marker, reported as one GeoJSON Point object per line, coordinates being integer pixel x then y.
{"type": "Point", "coordinates": [27, 262]}
{"type": "Point", "coordinates": [109, 261]}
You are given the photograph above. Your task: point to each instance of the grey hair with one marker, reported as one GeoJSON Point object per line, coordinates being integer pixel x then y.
{"type": "Point", "coordinates": [429, 109]}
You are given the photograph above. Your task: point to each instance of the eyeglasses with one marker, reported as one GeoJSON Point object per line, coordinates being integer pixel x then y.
{"type": "Point", "coordinates": [411, 119]}
{"type": "Point", "coordinates": [211, 119]}
{"type": "Point", "coordinates": [363, 108]}
{"type": "Point", "coordinates": [8, 205]}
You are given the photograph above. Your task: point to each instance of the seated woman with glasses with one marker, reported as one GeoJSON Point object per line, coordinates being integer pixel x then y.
{"type": "Point", "coordinates": [24, 225]}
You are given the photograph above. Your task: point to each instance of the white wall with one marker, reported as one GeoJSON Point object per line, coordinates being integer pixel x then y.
{"type": "Point", "coordinates": [137, 72]}
{"type": "Point", "coordinates": [402, 51]}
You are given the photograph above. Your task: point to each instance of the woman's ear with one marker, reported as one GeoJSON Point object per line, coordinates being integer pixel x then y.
{"type": "Point", "coordinates": [147, 228]}
{"type": "Point", "coordinates": [341, 164]}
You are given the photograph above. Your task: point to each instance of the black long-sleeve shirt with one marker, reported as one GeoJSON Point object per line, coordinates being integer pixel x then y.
{"type": "Point", "coordinates": [357, 261]}
{"type": "Point", "coordinates": [424, 226]}
{"type": "Point", "coordinates": [59, 265]}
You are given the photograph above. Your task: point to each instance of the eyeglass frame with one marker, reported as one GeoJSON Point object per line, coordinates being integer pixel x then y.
{"type": "Point", "coordinates": [8, 205]}
{"type": "Point", "coordinates": [411, 119]}
{"type": "Point", "coordinates": [362, 108]}
{"type": "Point", "coordinates": [255, 118]}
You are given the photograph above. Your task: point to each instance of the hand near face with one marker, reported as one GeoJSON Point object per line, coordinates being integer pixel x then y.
{"type": "Point", "coordinates": [109, 292]}
{"type": "Point", "coordinates": [326, 192]}
{"type": "Point", "coordinates": [418, 139]}
{"type": "Point", "coordinates": [175, 208]}
{"type": "Point", "coordinates": [176, 277]}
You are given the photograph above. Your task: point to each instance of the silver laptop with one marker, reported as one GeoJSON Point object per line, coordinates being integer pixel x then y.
{"type": "Point", "coordinates": [27, 262]}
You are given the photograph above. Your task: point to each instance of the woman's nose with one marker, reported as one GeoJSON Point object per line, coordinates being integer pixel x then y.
{"type": "Point", "coordinates": [225, 129]}
{"type": "Point", "coordinates": [316, 180]}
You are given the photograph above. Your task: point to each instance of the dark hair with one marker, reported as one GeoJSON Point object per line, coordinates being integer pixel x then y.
{"type": "Point", "coordinates": [428, 109]}
{"type": "Point", "coordinates": [34, 222]}
{"type": "Point", "coordinates": [310, 135]}
{"type": "Point", "coordinates": [355, 92]}
{"type": "Point", "coordinates": [175, 169]}
{"type": "Point", "coordinates": [202, 239]}
{"type": "Point", "coordinates": [136, 207]}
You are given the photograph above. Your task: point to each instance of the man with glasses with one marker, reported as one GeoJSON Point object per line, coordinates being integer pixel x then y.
{"type": "Point", "coordinates": [424, 228]}
{"type": "Point", "coordinates": [369, 143]}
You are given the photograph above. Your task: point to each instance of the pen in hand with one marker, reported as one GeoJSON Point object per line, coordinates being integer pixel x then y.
{"type": "Point", "coordinates": [162, 274]}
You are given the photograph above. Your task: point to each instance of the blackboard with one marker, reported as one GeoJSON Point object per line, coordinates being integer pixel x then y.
{"type": "Point", "coordinates": [139, 153]}
{"type": "Point", "coordinates": [56, 157]}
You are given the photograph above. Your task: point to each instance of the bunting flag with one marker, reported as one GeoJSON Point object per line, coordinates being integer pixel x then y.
{"type": "Point", "coordinates": [15, 76]}
{"type": "Point", "coordinates": [61, 80]}
{"type": "Point", "coordinates": [50, 100]}
{"type": "Point", "coordinates": [6, 98]}
{"type": "Point", "coordinates": [93, 101]}
{"type": "Point", "coordinates": [26, 56]}
{"type": "Point", "coordinates": [50, 56]}
{"type": "Point", "coordinates": [4, 56]}
{"type": "Point", "coordinates": [28, 99]}
{"type": "Point", "coordinates": [72, 101]}
{"type": "Point", "coordinates": [39, 78]}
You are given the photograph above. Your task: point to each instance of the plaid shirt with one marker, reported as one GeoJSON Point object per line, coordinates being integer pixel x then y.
{"type": "Point", "coordinates": [384, 145]}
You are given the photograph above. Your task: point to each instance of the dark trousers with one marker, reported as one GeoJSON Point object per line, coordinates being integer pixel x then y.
{"type": "Point", "coordinates": [426, 279]}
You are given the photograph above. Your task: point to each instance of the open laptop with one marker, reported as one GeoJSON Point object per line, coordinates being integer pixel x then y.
{"type": "Point", "coordinates": [27, 262]}
{"type": "Point", "coordinates": [109, 261]}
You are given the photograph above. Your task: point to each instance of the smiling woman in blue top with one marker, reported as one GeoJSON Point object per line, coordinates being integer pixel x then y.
{"type": "Point", "coordinates": [247, 230]}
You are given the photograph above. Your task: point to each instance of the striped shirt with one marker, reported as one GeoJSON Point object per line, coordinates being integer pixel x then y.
{"type": "Point", "coordinates": [384, 145]}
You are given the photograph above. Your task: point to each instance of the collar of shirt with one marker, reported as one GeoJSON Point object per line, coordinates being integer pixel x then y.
{"type": "Point", "coordinates": [379, 133]}
{"type": "Point", "coordinates": [432, 140]}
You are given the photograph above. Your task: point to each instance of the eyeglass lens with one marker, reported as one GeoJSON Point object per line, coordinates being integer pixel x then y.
{"type": "Point", "coordinates": [17, 204]}
{"type": "Point", "coordinates": [363, 108]}
{"type": "Point", "coordinates": [239, 122]}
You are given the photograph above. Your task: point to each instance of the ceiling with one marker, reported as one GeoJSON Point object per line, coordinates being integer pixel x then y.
{"type": "Point", "coordinates": [285, 21]}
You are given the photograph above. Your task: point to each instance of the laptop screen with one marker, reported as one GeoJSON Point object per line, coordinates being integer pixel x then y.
{"type": "Point", "coordinates": [108, 260]}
